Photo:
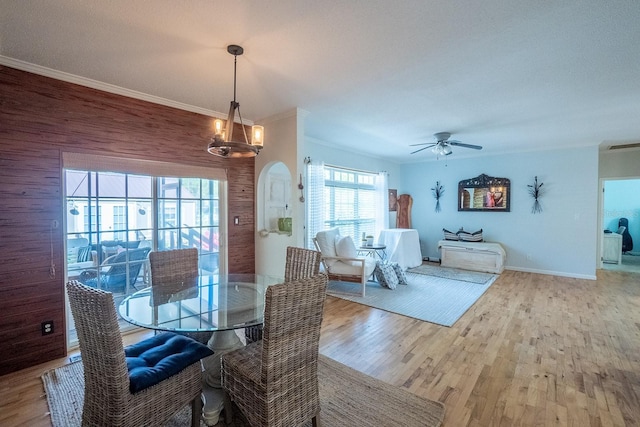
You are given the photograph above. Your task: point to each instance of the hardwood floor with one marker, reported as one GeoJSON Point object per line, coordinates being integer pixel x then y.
{"type": "Point", "coordinates": [534, 350]}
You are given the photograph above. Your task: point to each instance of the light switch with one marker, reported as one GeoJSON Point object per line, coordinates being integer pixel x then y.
{"type": "Point", "coordinates": [236, 220]}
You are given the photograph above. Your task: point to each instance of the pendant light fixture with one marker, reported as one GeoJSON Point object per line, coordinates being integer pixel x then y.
{"type": "Point", "coordinates": [222, 144]}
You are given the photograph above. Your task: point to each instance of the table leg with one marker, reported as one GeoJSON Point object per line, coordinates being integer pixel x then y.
{"type": "Point", "coordinates": [221, 342]}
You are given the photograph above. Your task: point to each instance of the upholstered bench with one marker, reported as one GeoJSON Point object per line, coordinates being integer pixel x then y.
{"type": "Point", "coordinates": [477, 256]}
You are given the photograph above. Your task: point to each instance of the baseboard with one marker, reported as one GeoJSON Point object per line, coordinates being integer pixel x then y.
{"type": "Point", "coordinates": [552, 273]}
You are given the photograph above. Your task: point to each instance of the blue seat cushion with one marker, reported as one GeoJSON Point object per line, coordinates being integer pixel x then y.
{"type": "Point", "coordinates": [157, 358]}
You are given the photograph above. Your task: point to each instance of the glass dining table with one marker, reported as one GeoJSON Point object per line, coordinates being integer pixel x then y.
{"type": "Point", "coordinates": [220, 304]}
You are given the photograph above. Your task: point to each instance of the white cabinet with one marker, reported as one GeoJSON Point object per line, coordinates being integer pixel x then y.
{"type": "Point", "coordinates": [612, 248]}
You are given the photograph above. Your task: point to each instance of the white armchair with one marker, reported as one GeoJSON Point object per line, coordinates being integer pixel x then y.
{"type": "Point", "coordinates": [340, 260]}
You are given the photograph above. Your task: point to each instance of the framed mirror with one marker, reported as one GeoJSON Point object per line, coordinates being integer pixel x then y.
{"type": "Point", "coordinates": [484, 193]}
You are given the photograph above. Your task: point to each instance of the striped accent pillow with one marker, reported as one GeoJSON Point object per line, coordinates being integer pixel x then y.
{"type": "Point", "coordinates": [470, 237]}
{"type": "Point", "coordinates": [448, 235]}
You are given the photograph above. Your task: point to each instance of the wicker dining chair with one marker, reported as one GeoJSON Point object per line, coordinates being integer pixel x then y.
{"type": "Point", "coordinates": [274, 382]}
{"type": "Point", "coordinates": [300, 263]}
{"type": "Point", "coordinates": [174, 268]}
{"type": "Point", "coordinates": [143, 384]}
{"type": "Point", "coordinates": [175, 271]}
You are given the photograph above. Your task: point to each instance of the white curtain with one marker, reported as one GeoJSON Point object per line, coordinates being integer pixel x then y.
{"type": "Point", "coordinates": [315, 206]}
{"type": "Point", "coordinates": [382, 202]}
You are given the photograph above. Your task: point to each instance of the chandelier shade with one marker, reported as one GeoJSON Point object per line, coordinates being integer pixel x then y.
{"type": "Point", "coordinates": [222, 143]}
{"type": "Point", "coordinates": [441, 149]}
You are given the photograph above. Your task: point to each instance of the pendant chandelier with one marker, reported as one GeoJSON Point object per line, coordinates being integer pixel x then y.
{"type": "Point", "coordinates": [222, 144]}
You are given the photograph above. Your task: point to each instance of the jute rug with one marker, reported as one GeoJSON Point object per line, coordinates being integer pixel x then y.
{"type": "Point", "coordinates": [453, 273]}
{"type": "Point", "coordinates": [347, 398]}
{"type": "Point", "coordinates": [429, 298]}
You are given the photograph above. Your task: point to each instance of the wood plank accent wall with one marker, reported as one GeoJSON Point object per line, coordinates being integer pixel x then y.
{"type": "Point", "coordinates": [40, 118]}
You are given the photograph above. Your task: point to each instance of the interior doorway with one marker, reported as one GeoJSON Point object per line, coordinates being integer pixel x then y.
{"type": "Point", "coordinates": [621, 201]}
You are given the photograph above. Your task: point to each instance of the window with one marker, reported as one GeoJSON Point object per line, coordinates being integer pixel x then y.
{"type": "Point", "coordinates": [350, 201]}
{"type": "Point", "coordinates": [119, 213]}
{"type": "Point", "coordinates": [119, 222]}
{"type": "Point", "coordinates": [188, 217]}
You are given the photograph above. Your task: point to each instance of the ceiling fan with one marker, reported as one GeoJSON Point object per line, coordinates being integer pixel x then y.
{"type": "Point", "coordinates": [442, 146]}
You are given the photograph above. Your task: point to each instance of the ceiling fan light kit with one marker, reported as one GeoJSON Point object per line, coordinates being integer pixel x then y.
{"type": "Point", "coordinates": [442, 146]}
{"type": "Point", "coordinates": [222, 143]}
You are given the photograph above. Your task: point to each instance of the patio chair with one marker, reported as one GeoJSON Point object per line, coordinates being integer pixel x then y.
{"type": "Point", "coordinates": [275, 381]}
{"type": "Point", "coordinates": [300, 263]}
{"type": "Point", "coordinates": [143, 384]}
{"type": "Point", "coordinates": [115, 270]}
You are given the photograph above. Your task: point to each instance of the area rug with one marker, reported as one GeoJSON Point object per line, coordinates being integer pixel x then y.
{"type": "Point", "coordinates": [453, 273]}
{"type": "Point", "coordinates": [429, 298]}
{"type": "Point", "coordinates": [347, 398]}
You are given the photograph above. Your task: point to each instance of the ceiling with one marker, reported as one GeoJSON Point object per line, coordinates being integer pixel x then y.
{"type": "Point", "coordinates": [374, 75]}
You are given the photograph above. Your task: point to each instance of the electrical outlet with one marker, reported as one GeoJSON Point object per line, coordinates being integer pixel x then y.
{"type": "Point", "coordinates": [47, 327]}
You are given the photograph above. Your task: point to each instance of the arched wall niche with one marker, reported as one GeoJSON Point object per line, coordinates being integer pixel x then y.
{"type": "Point", "coordinates": [274, 199]}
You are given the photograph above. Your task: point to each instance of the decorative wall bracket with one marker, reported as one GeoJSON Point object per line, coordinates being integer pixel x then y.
{"type": "Point", "coordinates": [535, 191]}
{"type": "Point", "coordinates": [301, 187]}
{"type": "Point", "coordinates": [438, 191]}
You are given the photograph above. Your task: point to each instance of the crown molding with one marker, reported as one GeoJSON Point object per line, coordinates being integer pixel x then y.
{"type": "Point", "coordinates": [106, 87]}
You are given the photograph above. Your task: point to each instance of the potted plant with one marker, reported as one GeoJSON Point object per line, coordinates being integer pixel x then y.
{"type": "Point", "coordinates": [285, 224]}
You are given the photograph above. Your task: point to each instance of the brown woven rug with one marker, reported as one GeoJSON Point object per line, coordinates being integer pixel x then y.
{"type": "Point", "coordinates": [347, 398]}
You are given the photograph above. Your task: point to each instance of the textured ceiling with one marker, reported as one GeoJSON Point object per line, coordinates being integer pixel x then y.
{"type": "Point", "coordinates": [375, 75]}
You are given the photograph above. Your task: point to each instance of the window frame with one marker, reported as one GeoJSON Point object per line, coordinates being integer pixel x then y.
{"type": "Point", "coordinates": [361, 183]}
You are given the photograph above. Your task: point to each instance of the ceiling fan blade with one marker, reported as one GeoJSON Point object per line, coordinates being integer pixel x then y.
{"type": "Point", "coordinates": [419, 150]}
{"type": "Point", "coordinates": [460, 144]}
{"type": "Point", "coordinates": [431, 144]}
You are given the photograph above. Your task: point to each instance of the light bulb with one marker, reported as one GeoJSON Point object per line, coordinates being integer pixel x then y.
{"type": "Point", "coordinates": [218, 126]}
{"type": "Point", "coordinates": [257, 135]}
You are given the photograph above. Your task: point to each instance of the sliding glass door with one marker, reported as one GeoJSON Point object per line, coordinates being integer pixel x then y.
{"type": "Point", "coordinates": [115, 219]}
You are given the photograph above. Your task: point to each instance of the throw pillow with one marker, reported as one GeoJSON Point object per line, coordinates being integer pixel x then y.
{"type": "Point", "coordinates": [449, 235]}
{"type": "Point", "coordinates": [326, 240]}
{"type": "Point", "coordinates": [470, 237]}
{"type": "Point", "coordinates": [345, 248]}
{"type": "Point", "coordinates": [386, 275]}
{"type": "Point", "coordinates": [402, 278]}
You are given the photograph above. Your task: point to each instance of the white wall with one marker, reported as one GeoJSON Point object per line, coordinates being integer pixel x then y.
{"type": "Point", "coordinates": [281, 145]}
{"type": "Point", "coordinates": [561, 240]}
